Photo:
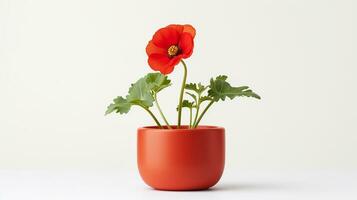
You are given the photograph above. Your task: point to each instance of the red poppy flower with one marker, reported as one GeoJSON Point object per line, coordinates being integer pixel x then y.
{"type": "Point", "coordinates": [169, 45]}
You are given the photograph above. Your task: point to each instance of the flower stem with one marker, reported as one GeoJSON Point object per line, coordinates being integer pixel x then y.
{"type": "Point", "coordinates": [204, 111]}
{"type": "Point", "coordinates": [198, 103]}
{"type": "Point", "coordinates": [161, 113]}
{"type": "Point", "coordinates": [152, 115]}
{"type": "Point", "coordinates": [190, 118]}
{"type": "Point", "coordinates": [181, 94]}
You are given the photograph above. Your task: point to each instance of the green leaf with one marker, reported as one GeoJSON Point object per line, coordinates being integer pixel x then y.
{"type": "Point", "coordinates": [192, 95]}
{"type": "Point", "coordinates": [222, 77]}
{"type": "Point", "coordinates": [249, 93]}
{"type": "Point", "coordinates": [187, 104]}
{"type": "Point", "coordinates": [157, 81]}
{"type": "Point", "coordinates": [139, 93]}
{"type": "Point", "coordinates": [120, 105]}
{"type": "Point", "coordinates": [205, 98]}
{"type": "Point", "coordinates": [220, 89]}
{"type": "Point", "coordinates": [198, 88]}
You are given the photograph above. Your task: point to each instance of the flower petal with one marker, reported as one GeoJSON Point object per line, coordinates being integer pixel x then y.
{"type": "Point", "coordinates": [179, 28]}
{"type": "Point", "coordinates": [174, 61]}
{"type": "Point", "coordinates": [186, 45]}
{"type": "Point", "coordinates": [165, 37]}
{"type": "Point", "coordinates": [158, 62]}
{"type": "Point", "coordinates": [189, 29]}
{"type": "Point", "coordinates": [151, 48]}
{"type": "Point", "coordinates": [168, 69]}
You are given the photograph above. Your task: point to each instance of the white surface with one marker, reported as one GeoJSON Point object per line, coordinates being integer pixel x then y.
{"type": "Point", "coordinates": [62, 62]}
{"type": "Point", "coordinates": [247, 185]}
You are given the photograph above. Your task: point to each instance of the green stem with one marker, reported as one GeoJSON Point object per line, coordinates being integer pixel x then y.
{"type": "Point", "coordinates": [181, 94]}
{"type": "Point", "coordinates": [152, 115]}
{"type": "Point", "coordinates": [204, 111]}
{"type": "Point", "coordinates": [190, 118]}
{"type": "Point", "coordinates": [198, 103]}
{"type": "Point", "coordinates": [161, 113]}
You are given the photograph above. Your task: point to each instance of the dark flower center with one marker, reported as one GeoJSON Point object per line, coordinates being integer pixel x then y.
{"type": "Point", "coordinates": [173, 50]}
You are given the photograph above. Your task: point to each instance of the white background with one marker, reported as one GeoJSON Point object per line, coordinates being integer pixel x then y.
{"type": "Point", "coordinates": [62, 62]}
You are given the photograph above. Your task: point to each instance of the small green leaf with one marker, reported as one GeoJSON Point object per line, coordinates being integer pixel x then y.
{"type": "Point", "coordinates": [187, 104]}
{"type": "Point", "coordinates": [222, 77]}
{"type": "Point", "coordinates": [120, 105]}
{"type": "Point", "coordinates": [205, 98]}
{"type": "Point", "coordinates": [190, 86]}
{"type": "Point", "coordinates": [139, 93]}
{"type": "Point", "coordinates": [198, 88]}
{"type": "Point", "coordinates": [220, 89]}
{"type": "Point", "coordinates": [192, 95]}
{"type": "Point", "coordinates": [157, 81]}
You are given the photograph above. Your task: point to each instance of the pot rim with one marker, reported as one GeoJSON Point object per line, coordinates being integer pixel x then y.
{"type": "Point", "coordinates": [183, 128]}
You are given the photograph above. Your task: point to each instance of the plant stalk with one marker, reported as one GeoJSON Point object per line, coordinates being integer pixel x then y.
{"type": "Point", "coordinates": [190, 118]}
{"type": "Point", "coordinates": [152, 115]}
{"type": "Point", "coordinates": [204, 111]}
{"type": "Point", "coordinates": [181, 94]}
{"type": "Point", "coordinates": [161, 113]}
{"type": "Point", "coordinates": [198, 103]}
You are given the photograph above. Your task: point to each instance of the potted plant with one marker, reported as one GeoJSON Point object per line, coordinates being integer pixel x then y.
{"type": "Point", "coordinates": [178, 157]}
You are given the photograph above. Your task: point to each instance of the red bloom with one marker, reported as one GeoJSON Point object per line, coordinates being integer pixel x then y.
{"type": "Point", "coordinates": [169, 45]}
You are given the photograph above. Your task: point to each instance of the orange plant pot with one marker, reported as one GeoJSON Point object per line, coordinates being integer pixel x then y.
{"type": "Point", "coordinates": [181, 159]}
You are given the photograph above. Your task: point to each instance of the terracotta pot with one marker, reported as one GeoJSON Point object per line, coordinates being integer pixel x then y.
{"type": "Point", "coordinates": [181, 159]}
